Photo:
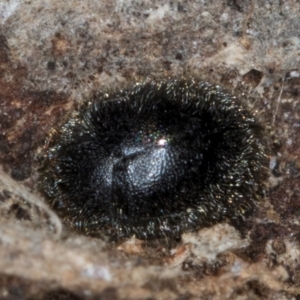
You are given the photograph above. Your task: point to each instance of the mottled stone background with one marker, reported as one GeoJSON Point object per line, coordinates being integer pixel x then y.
{"type": "Point", "coordinates": [55, 54]}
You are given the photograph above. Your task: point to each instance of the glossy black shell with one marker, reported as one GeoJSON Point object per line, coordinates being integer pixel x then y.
{"type": "Point", "coordinates": [155, 160]}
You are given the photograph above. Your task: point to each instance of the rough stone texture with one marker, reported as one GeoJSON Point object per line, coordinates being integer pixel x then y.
{"type": "Point", "coordinates": [54, 54]}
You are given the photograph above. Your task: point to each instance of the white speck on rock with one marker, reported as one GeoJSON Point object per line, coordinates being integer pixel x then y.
{"type": "Point", "coordinates": [209, 242]}
{"type": "Point", "coordinates": [224, 17]}
{"type": "Point", "coordinates": [7, 9]}
{"type": "Point", "coordinates": [158, 13]}
{"type": "Point", "coordinates": [272, 163]}
{"type": "Point", "coordinates": [97, 272]}
{"type": "Point", "coordinates": [294, 74]}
